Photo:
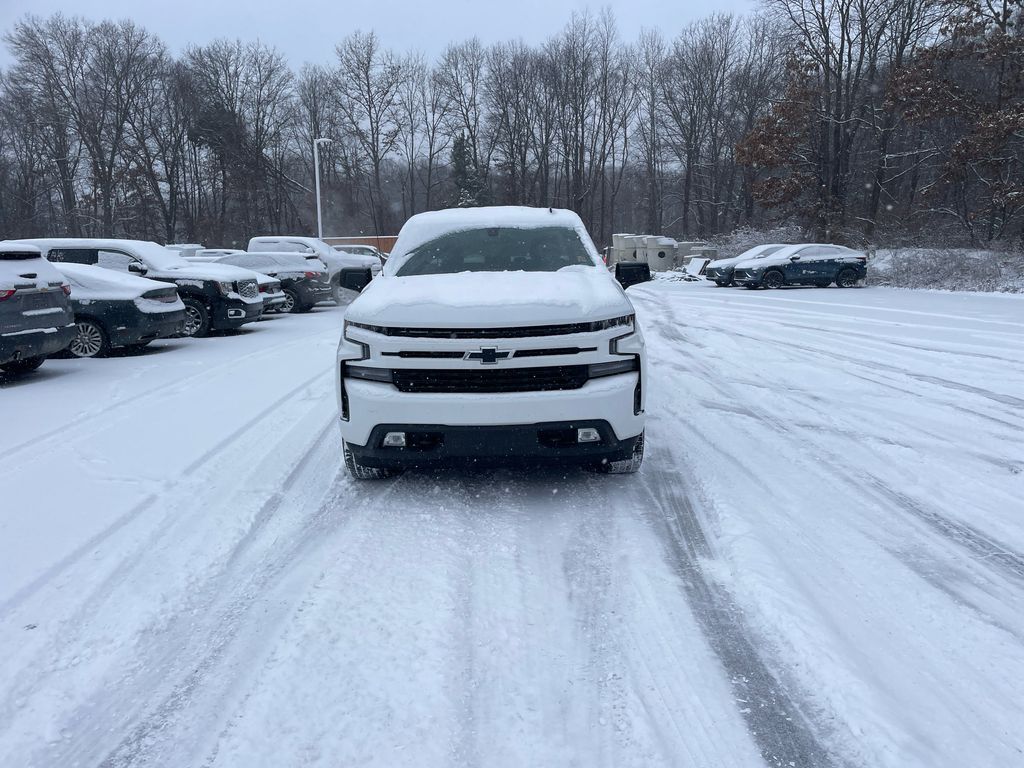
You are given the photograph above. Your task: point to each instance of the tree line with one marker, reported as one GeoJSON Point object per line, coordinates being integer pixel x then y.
{"type": "Point", "coordinates": [856, 120]}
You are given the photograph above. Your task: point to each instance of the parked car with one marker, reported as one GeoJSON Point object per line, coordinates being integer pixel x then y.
{"type": "Point", "coordinates": [816, 264]}
{"type": "Point", "coordinates": [216, 296]}
{"type": "Point", "coordinates": [721, 270]}
{"type": "Point", "coordinates": [335, 261]}
{"type": "Point", "coordinates": [493, 334]}
{"type": "Point", "coordinates": [36, 320]}
{"type": "Point", "coordinates": [362, 250]}
{"type": "Point", "coordinates": [302, 287]}
{"type": "Point", "coordinates": [119, 310]}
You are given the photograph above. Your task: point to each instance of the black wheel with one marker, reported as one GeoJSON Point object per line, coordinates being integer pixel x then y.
{"type": "Point", "coordinates": [361, 471]}
{"type": "Point", "coordinates": [27, 365]}
{"type": "Point", "coordinates": [292, 305]}
{"type": "Point", "coordinates": [197, 318]}
{"type": "Point", "coordinates": [846, 278]}
{"type": "Point", "coordinates": [773, 279]}
{"type": "Point", "coordinates": [90, 340]}
{"type": "Point", "coordinates": [626, 466]}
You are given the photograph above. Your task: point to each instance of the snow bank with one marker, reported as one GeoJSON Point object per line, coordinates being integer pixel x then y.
{"type": "Point", "coordinates": [950, 269]}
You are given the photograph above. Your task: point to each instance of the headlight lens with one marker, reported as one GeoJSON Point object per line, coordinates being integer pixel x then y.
{"type": "Point", "coordinates": [368, 374]}
{"type": "Point", "coordinates": [226, 287]}
{"type": "Point", "coordinates": [614, 367]}
{"type": "Point", "coordinates": [615, 322]}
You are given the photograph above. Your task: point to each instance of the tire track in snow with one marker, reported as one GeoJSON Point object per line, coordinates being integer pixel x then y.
{"type": "Point", "coordinates": [775, 717]}
{"type": "Point", "coordinates": [76, 555]}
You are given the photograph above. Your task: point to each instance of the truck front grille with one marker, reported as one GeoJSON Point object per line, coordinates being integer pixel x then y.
{"type": "Point", "coordinates": [248, 289]}
{"type": "Point", "coordinates": [545, 379]}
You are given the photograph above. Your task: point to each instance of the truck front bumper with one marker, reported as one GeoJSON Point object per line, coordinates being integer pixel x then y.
{"type": "Point", "coordinates": [375, 408]}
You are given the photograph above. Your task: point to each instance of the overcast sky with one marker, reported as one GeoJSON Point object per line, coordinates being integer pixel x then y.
{"type": "Point", "coordinates": [307, 30]}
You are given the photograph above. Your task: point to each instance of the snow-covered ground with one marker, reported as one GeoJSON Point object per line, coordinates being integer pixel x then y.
{"type": "Point", "coordinates": [820, 564]}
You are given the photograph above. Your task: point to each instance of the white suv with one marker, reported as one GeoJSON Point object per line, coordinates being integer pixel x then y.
{"type": "Point", "coordinates": [493, 334]}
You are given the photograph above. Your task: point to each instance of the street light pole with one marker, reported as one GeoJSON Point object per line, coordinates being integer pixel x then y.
{"type": "Point", "coordinates": [316, 172]}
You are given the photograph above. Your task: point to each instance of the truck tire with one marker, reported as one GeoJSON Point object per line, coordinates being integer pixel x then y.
{"type": "Point", "coordinates": [626, 466]}
{"type": "Point", "coordinates": [361, 471]}
{"type": "Point", "coordinates": [197, 318]}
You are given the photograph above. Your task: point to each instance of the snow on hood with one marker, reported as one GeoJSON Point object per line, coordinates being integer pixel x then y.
{"type": "Point", "coordinates": [491, 299]}
{"type": "Point", "coordinates": [424, 227]}
{"type": "Point", "coordinates": [89, 282]}
{"type": "Point", "coordinates": [200, 271]}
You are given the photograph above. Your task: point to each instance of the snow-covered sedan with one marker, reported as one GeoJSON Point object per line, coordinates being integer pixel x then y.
{"type": "Point", "coordinates": [216, 296]}
{"type": "Point", "coordinates": [117, 310]}
{"type": "Point", "coordinates": [721, 270]}
{"type": "Point", "coordinates": [36, 320]}
{"type": "Point", "coordinates": [817, 264]}
{"type": "Point", "coordinates": [492, 334]}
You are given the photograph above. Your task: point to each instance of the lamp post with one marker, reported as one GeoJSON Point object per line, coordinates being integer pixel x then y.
{"type": "Point", "coordinates": [316, 172]}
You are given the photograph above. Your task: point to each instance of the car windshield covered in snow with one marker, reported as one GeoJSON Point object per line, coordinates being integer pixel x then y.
{"type": "Point", "coordinates": [498, 249]}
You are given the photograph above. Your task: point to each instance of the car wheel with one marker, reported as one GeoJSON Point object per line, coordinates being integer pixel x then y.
{"type": "Point", "coordinates": [773, 280]}
{"type": "Point", "coordinates": [90, 340]}
{"type": "Point", "coordinates": [626, 466]}
{"type": "Point", "coordinates": [27, 365]}
{"type": "Point", "coordinates": [291, 302]}
{"type": "Point", "coordinates": [362, 472]}
{"type": "Point", "coordinates": [197, 318]}
{"type": "Point", "coordinates": [846, 279]}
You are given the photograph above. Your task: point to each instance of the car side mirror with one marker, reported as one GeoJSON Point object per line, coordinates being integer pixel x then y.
{"type": "Point", "coordinates": [136, 268]}
{"type": "Point", "coordinates": [355, 278]}
{"type": "Point", "coordinates": [794, 258]}
{"type": "Point", "coordinates": [629, 273]}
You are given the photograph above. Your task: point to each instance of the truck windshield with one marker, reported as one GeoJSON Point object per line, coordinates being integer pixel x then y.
{"type": "Point", "coordinates": [498, 249]}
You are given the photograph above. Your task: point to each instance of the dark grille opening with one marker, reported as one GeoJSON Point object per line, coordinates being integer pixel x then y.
{"type": "Point", "coordinates": [496, 380]}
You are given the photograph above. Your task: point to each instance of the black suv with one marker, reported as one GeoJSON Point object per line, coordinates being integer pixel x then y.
{"type": "Point", "coordinates": [816, 264]}
{"type": "Point", "coordinates": [216, 296]}
{"type": "Point", "coordinates": [35, 313]}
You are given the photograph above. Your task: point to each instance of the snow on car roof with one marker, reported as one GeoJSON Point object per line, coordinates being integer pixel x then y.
{"type": "Point", "coordinates": [14, 247]}
{"type": "Point", "coordinates": [154, 253]}
{"type": "Point", "coordinates": [424, 227]}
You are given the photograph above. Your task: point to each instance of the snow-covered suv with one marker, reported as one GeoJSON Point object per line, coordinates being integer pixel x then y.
{"type": "Point", "coordinates": [216, 296]}
{"type": "Point", "coordinates": [818, 264]}
{"type": "Point", "coordinates": [493, 334]}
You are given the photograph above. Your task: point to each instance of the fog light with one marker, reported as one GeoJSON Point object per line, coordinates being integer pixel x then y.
{"type": "Point", "coordinates": [394, 440]}
{"type": "Point", "coordinates": [588, 435]}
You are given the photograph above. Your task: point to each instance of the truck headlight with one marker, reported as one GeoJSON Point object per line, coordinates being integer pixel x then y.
{"type": "Point", "coordinates": [225, 287]}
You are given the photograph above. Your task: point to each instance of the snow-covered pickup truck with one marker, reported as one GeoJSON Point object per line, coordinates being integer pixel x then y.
{"type": "Point", "coordinates": [493, 334]}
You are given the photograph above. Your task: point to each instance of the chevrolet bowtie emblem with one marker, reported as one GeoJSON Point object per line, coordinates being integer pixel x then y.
{"type": "Point", "coordinates": [488, 355]}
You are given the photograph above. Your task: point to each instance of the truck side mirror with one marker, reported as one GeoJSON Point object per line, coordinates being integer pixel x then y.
{"type": "Point", "coordinates": [355, 278]}
{"type": "Point", "coordinates": [136, 268]}
{"type": "Point", "coordinates": [632, 272]}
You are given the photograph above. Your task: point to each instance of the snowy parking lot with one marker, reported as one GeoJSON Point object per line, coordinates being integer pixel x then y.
{"type": "Point", "coordinates": [821, 562]}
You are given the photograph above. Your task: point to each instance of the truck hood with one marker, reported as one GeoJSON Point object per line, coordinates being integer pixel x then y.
{"type": "Point", "coordinates": [196, 271]}
{"type": "Point", "coordinates": [491, 299]}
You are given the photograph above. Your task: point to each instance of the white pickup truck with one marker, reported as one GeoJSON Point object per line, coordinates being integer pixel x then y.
{"type": "Point", "coordinates": [493, 334]}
